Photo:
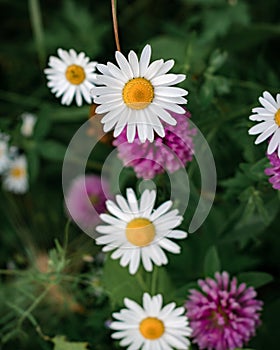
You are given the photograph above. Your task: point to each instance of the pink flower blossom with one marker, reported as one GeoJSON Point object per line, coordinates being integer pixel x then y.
{"type": "Point", "coordinates": [169, 153]}
{"type": "Point", "coordinates": [274, 170]}
{"type": "Point", "coordinates": [223, 315]}
{"type": "Point", "coordinates": [85, 200]}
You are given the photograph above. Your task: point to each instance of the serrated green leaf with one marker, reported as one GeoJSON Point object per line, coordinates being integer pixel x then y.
{"type": "Point", "coordinates": [255, 279]}
{"type": "Point", "coordinates": [211, 262]}
{"type": "Point", "coordinates": [60, 343]}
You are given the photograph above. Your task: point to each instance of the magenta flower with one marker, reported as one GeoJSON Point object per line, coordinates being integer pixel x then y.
{"type": "Point", "coordinates": [85, 200]}
{"type": "Point", "coordinates": [274, 170]}
{"type": "Point", "coordinates": [223, 315]}
{"type": "Point", "coordinates": [165, 154]}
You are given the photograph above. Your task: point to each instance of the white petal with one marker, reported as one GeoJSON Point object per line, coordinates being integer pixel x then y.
{"type": "Point", "coordinates": [169, 246]}
{"type": "Point", "coordinates": [132, 201]}
{"type": "Point", "coordinates": [134, 261]}
{"type": "Point", "coordinates": [265, 135]}
{"type": "Point", "coordinates": [124, 65]}
{"type": "Point", "coordinates": [134, 64]}
{"type": "Point", "coordinates": [165, 79]}
{"type": "Point", "coordinates": [170, 91]}
{"type": "Point", "coordinates": [131, 132]}
{"type": "Point", "coordinates": [270, 99]}
{"type": "Point", "coordinates": [270, 107]}
{"type": "Point", "coordinates": [144, 60]}
{"type": "Point", "coordinates": [261, 127]}
{"type": "Point", "coordinates": [153, 69]}
{"type": "Point", "coordinates": [178, 234]}
{"type": "Point", "coordinates": [162, 209]}
{"type": "Point", "coordinates": [116, 72]}
{"type": "Point", "coordinates": [147, 203]}
{"type": "Point", "coordinates": [274, 142]}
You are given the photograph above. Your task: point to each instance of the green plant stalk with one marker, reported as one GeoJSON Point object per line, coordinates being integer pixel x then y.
{"type": "Point", "coordinates": [154, 281]}
{"type": "Point", "coordinates": [37, 27]}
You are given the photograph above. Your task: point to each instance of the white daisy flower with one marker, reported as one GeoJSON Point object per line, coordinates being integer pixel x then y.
{"type": "Point", "coordinates": [269, 116]}
{"type": "Point", "coordinates": [16, 178]}
{"type": "Point", "coordinates": [151, 327]}
{"type": "Point", "coordinates": [28, 123]}
{"type": "Point", "coordinates": [71, 75]}
{"type": "Point", "coordinates": [139, 233]}
{"type": "Point", "coordinates": [138, 94]}
{"type": "Point", "coordinates": [4, 158]}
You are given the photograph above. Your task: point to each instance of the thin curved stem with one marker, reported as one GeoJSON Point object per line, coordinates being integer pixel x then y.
{"type": "Point", "coordinates": [115, 23]}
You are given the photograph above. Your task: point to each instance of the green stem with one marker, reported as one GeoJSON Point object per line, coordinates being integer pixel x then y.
{"type": "Point", "coordinates": [141, 282]}
{"type": "Point", "coordinates": [33, 305]}
{"type": "Point", "coordinates": [66, 235]}
{"type": "Point", "coordinates": [37, 27]}
{"type": "Point", "coordinates": [154, 281]}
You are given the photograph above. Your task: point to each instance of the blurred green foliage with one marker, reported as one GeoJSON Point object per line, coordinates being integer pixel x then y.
{"type": "Point", "coordinates": [228, 50]}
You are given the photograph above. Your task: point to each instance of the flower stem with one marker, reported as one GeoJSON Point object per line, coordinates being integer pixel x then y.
{"type": "Point", "coordinates": [115, 23]}
{"type": "Point", "coordinates": [154, 281]}
{"type": "Point", "coordinates": [141, 281]}
{"type": "Point", "coordinates": [37, 27]}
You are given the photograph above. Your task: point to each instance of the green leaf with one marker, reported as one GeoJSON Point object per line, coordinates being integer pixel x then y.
{"type": "Point", "coordinates": [60, 343]}
{"type": "Point", "coordinates": [33, 165]}
{"type": "Point", "coordinates": [52, 150]}
{"type": "Point", "coordinates": [211, 262]}
{"type": "Point", "coordinates": [120, 284]}
{"type": "Point", "coordinates": [217, 59]}
{"type": "Point", "coordinates": [255, 279]}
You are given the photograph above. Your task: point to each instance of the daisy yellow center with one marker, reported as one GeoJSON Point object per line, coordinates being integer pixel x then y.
{"type": "Point", "coordinates": [75, 74]}
{"type": "Point", "coordinates": [138, 93]}
{"type": "Point", "coordinates": [151, 328]}
{"type": "Point", "coordinates": [277, 117]}
{"type": "Point", "coordinates": [140, 232]}
{"type": "Point", "coordinates": [17, 172]}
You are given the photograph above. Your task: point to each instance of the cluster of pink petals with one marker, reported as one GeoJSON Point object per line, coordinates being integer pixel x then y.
{"type": "Point", "coordinates": [85, 200]}
{"type": "Point", "coordinates": [223, 315]}
{"type": "Point", "coordinates": [274, 170]}
{"type": "Point", "coordinates": [165, 154]}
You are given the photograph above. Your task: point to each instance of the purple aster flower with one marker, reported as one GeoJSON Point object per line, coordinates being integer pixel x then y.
{"type": "Point", "coordinates": [85, 200]}
{"type": "Point", "coordinates": [223, 315]}
{"type": "Point", "coordinates": [274, 170]}
{"type": "Point", "coordinates": [165, 154]}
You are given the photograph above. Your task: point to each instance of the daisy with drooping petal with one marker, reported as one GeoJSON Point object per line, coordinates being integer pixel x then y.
{"type": "Point", "coordinates": [151, 326]}
{"type": "Point", "coordinates": [137, 232]}
{"type": "Point", "coordinates": [223, 315]}
{"type": "Point", "coordinates": [274, 170]}
{"type": "Point", "coordinates": [4, 157]}
{"type": "Point", "coordinates": [16, 178]}
{"type": "Point", "coordinates": [71, 75]}
{"type": "Point", "coordinates": [138, 95]}
{"type": "Point", "coordinates": [269, 116]}
{"type": "Point", "coordinates": [28, 123]}
{"type": "Point", "coordinates": [165, 154]}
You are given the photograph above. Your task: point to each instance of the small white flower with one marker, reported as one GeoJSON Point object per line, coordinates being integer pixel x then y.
{"type": "Point", "coordinates": [138, 94]}
{"type": "Point", "coordinates": [28, 123]}
{"type": "Point", "coordinates": [139, 233]}
{"type": "Point", "coordinates": [151, 327]}
{"type": "Point", "coordinates": [71, 75]}
{"type": "Point", "coordinates": [4, 158]}
{"type": "Point", "coordinates": [16, 178]}
{"type": "Point", "coordinates": [269, 116]}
